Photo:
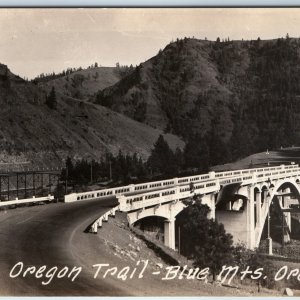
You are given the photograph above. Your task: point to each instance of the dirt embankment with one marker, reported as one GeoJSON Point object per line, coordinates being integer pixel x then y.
{"type": "Point", "coordinates": [116, 245]}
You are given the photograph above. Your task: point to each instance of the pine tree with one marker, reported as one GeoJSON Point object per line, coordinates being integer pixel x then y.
{"type": "Point", "coordinates": [162, 159]}
{"type": "Point", "coordinates": [218, 150]}
{"type": "Point", "coordinates": [196, 154]}
{"type": "Point", "coordinates": [51, 99]}
{"type": "Point", "coordinates": [204, 240]}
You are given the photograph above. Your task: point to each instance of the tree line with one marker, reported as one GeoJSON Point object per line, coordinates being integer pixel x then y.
{"type": "Point", "coordinates": [44, 77]}
{"type": "Point", "coordinates": [162, 163]}
{"type": "Point", "coordinates": [122, 70]}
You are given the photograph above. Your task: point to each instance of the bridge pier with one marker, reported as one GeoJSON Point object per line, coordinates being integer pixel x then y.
{"type": "Point", "coordinates": [250, 217]}
{"type": "Point", "coordinates": [270, 245]}
{"type": "Point", "coordinates": [257, 194]}
{"type": "Point", "coordinates": [285, 198]}
{"type": "Point", "coordinates": [210, 200]}
{"type": "Point", "coordinates": [288, 219]}
{"type": "Point", "coordinates": [287, 229]}
{"type": "Point", "coordinates": [169, 233]}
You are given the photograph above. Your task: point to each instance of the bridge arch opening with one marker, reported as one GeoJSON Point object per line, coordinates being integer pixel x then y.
{"type": "Point", "coordinates": [153, 226]}
{"type": "Point", "coordinates": [181, 240]}
{"type": "Point", "coordinates": [283, 223]}
{"type": "Point", "coordinates": [238, 203]}
{"type": "Point", "coordinates": [235, 202]}
{"type": "Point", "coordinates": [248, 223]}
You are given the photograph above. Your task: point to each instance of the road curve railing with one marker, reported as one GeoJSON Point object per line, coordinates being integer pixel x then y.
{"type": "Point", "coordinates": [103, 218]}
{"type": "Point", "coordinates": [27, 200]}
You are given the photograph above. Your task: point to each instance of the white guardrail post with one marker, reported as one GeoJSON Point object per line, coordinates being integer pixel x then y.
{"type": "Point", "coordinates": [104, 217]}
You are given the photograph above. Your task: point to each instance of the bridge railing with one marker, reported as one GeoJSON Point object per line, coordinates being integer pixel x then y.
{"type": "Point", "coordinates": [261, 176]}
{"type": "Point", "coordinates": [27, 200]}
{"type": "Point", "coordinates": [98, 193]}
{"type": "Point", "coordinates": [149, 186]}
{"type": "Point", "coordinates": [152, 198]}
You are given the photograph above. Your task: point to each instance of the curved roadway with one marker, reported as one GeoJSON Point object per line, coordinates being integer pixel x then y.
{"type": "Point", "coordinates": [44, 235]}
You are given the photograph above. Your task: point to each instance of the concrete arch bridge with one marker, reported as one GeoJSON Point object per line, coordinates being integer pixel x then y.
{"type": "Point", "coordinates": [241, 200]}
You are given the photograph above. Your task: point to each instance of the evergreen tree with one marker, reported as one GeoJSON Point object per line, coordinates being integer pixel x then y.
{"type": "Point", "coordinates": [51, 99]}
{"type": "Point", "coordinates": [68, 171]}
{"type": "Point", "coordinates": [218, 149]}
{"type": "Point", "coordinates": [162, 159]}
{"type": "Point", "coordinates": [241, 143]}
{"type": "Point", "coordinates": [179, 160]}
{"type": "Point", "coordinates": [204, 240]}
{"type": "Point", "coordinates": [196, 153]}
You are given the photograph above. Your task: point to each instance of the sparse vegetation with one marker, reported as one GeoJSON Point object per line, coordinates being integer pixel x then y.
{"type": "Point", "coordinates": [44, 77]}
{"type": "Point", "coordinates": [123, 71]}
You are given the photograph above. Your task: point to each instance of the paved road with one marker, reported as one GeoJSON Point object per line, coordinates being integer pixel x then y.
{"type": "Point", "coordinates": [43, 235]}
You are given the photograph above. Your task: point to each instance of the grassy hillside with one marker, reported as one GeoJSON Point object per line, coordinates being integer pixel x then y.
{"type": "Point", "coordinates": [244, 93]}
{"type": "Point", "coordinates": [30, 130]}
{"type": "Point", "coordinates": [81, 84]}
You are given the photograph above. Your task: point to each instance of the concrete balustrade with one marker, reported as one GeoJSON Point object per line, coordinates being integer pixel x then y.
{"type": "Point", "coordinates": [128, 203]}
{"type": "Point", "coordinates": [148, 186]}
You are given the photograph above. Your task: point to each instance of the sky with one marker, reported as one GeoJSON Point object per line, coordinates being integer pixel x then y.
{"type": "Point", "coordinates": [34, 41]}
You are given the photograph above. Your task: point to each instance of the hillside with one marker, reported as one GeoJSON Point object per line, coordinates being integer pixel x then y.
{"type": "Point", "coordinates": [226, 100]}
{"type": "Point", "coordinates": [83, 83]}
{"type": "Point", "coordinates": [30, 130]}
{"type": "Point", "coordinates": [273, 158]}
{"type": "Point", "coordinates": [242, 95]}
{"type": "Point", "coordinates": [165, 90]}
